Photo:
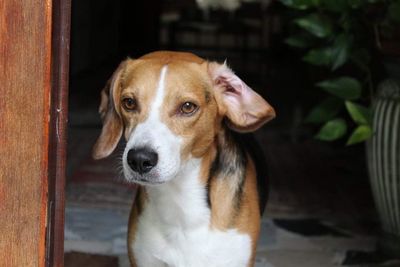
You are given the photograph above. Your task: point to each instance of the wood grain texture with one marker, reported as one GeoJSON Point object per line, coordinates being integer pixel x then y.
{"type": "Point", "coordinates": [25, 55]}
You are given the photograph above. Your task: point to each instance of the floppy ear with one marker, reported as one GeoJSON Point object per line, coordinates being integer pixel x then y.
{"type": "Point", "coordinates": [245, 110]}
{"type": "Point", "coordinates": [112, 122]}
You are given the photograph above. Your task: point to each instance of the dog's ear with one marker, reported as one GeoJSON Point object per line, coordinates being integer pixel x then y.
{"type": "Point", "coordinates": [112, 122]}
{"type": "Point", "coordinates": [245, 110]}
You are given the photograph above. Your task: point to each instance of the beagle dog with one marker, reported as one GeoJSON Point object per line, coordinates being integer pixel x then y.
{"type": "Point", "coordinates": [197, 203]}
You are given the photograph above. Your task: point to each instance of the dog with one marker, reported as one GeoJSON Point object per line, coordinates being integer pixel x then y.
{"type": "Point", "coordinates": [197, 202]}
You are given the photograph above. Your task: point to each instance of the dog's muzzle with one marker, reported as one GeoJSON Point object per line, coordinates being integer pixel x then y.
{"type": "Point", "coordinates": [142, 160]}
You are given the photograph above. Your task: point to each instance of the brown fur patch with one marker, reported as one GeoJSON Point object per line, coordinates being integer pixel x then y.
{"type": "Point", "coordinates": [166, 57]}
{"type": "Point", "coordinates": [140, 82]}
{"type": "Point", "coordinates": [206, 164]}
{"type": "Point", "coordinates": [248, 219]}
{"type": "Point", "coordinates": [226, 181]}
{"type": "Point", "coordinates": [189, 83]}
{"type": "Point", "coordinates": [137, 209]}
{"type": "Point", "coordinates": [233, 193]}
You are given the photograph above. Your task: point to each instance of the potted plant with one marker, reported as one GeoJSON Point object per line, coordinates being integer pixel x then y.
{"type": "Point", "coordinates": [346, 38]}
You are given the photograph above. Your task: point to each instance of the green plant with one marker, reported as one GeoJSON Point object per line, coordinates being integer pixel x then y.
{"type": "Point", "coordinates": [339, 36]}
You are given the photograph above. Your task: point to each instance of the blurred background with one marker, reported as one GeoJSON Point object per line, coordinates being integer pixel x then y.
{"type": "Point", "coordinates": [330, 70]}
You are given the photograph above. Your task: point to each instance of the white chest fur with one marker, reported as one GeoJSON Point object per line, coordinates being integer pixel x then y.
{"type": "Point", "coordinates": [174, 228]}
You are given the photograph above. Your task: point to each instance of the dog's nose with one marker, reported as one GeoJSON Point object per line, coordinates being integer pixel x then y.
{"type": "Point", "coordinates": [142, 160]}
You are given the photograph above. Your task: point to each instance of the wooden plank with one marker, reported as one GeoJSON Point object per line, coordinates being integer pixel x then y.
{"type": "Point", "coordinates": [25, 53]}
{"type": "Point", "coordinates": [58, 130]}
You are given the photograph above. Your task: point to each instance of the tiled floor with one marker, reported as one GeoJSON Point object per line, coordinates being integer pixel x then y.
{"type": "Point", "coordinates": [97, 214]}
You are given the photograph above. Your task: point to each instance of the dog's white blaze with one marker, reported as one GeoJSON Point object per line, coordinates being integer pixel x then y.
{"type": "Point", "coordinates": [155, 134]}
{"type": "Point", "coordinates": [155, 111]}
{"type": "Point", "coordinates": [174, 228]}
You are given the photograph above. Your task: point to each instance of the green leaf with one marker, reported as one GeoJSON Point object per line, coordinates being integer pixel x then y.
{"type": "Point", "coordinates": [325, 111]}
{"type": "Point", "coordinates": [394, 11]}
{"type": "Point", "coordinates": [360, 134]}
{"type": "Point", "coordinates": [319, 57]}
{"type": "Point", "coordinates": [334, 56]}
{"type": "Point", "coordinates": [299, 41]}
{"type": "Point", "coordinates": [300, 4]}
{"type": "Point", "coordinates": [344, 87]}
{"type": "Point", "coordinates": [332, 130]}
{"type": "Point", "coordinates": [360, 115]}
{"type": "Point", "coordinates": [340, 51]}
{"type": "Point", "coordinates": [317, 25]}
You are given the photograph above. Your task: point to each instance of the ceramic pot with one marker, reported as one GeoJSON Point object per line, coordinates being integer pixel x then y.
{"type": "Point", "coordinates": [384, 164]}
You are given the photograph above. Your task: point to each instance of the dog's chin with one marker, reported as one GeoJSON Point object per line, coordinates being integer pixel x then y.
{"type": "Point", "coordinates": [145, 182]}
{"type": "Point", "coordinates": [152, 178]}
{"type": "Point", "coordinates": [148, 179]}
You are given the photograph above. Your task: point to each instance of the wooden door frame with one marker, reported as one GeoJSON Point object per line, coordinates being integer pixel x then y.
{"type": "Point", "coordinates": [34, 64]}
{"type": "Point", "coordinates": [61, 27]}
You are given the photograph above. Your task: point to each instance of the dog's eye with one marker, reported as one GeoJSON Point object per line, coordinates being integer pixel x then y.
{"type": "Point", "coordinates": [129, 103]}
{"type": "Point", "coordinates": [188, 108]}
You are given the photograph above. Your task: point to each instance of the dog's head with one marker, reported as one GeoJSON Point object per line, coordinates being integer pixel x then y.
{"type": "Point", "coordinates": [170, 106]}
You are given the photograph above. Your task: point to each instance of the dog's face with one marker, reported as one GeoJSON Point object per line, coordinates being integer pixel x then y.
{"type": "Point", "coordinates": [169, 107]}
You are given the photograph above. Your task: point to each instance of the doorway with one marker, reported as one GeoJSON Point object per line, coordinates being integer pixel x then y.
{"type": "Point", "coordinates": [97, 198]}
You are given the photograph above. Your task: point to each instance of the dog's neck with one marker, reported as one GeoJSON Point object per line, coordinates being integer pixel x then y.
{"type": "Point", "coordinates": [181, 202]}
{"type": "Point", "coordinates": [185, 201]}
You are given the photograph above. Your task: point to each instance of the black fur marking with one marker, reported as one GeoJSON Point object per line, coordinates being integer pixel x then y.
{"type": "Point", "coordinates": [231, 160]}
{"type": "Point", "coordinates": [215, 166]}
{"type": "Point", "coordinates": [208, 193]}
{"type": "Point", "coordinates": [241, 166]}
{"type": "Point", "coordinates": [229, 163]}
{"type": "Point", "coordinates": [256, 153]}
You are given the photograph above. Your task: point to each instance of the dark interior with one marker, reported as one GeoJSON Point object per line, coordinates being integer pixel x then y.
{"type": "Point", "coordinates": [312, 184]}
